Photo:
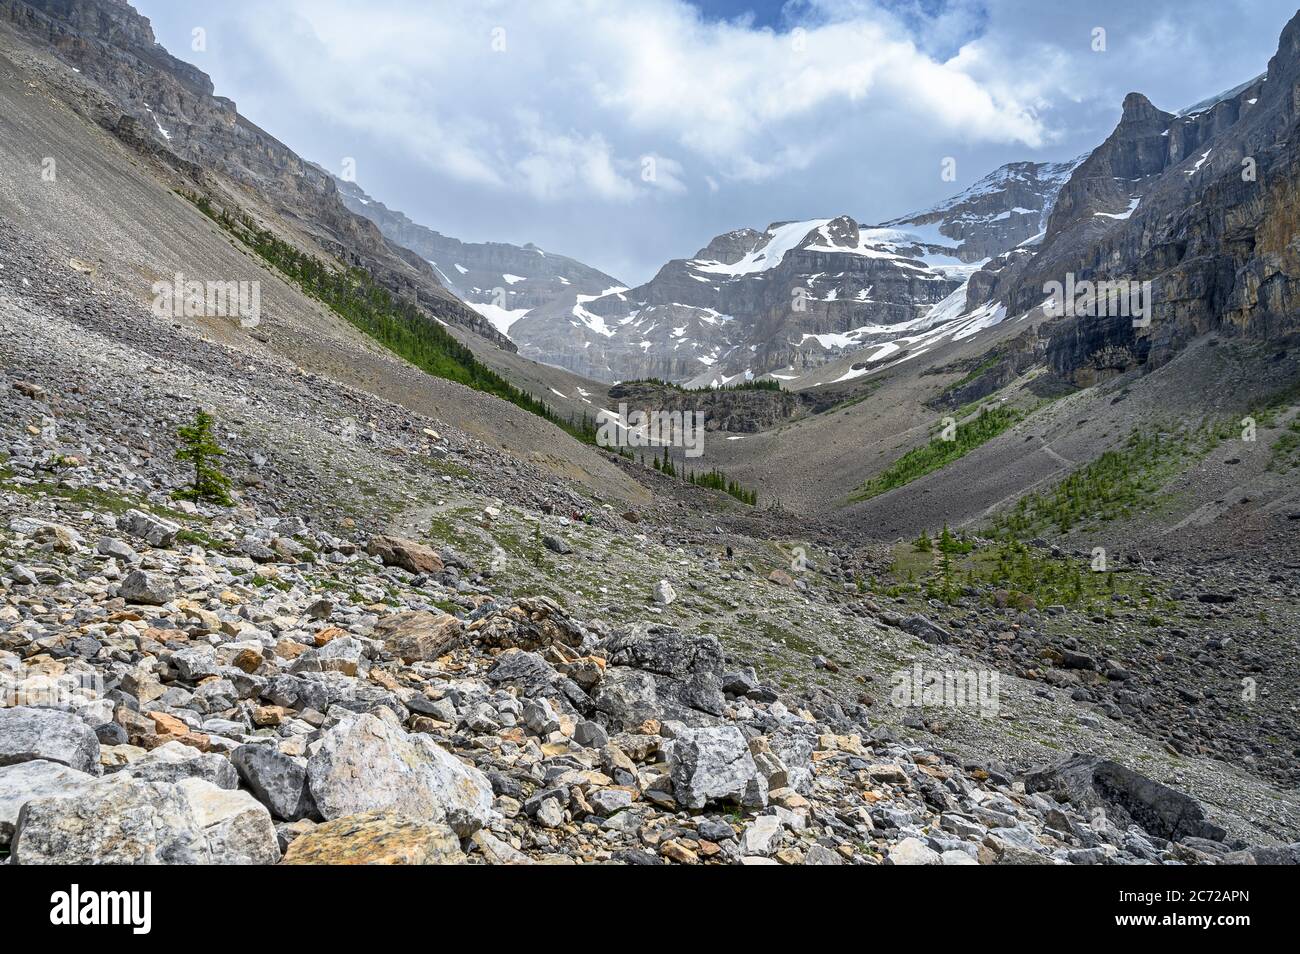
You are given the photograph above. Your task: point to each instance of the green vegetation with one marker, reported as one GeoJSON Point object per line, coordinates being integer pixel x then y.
{"type": "Point", "coordinates": [396, 323]}
{"type": "Point", "coordinates": [1006, 573]}
{"type": "Point", "coordinates": [987, 424]}
{"type": "Point", "coordinates": [1286, 449]}
{"type": "Point", "coordinates": [712, 479]}
{"type": "Point", "coordinates": [199, 447]}
{"type": "Point", "coordinates": [1118, 484]}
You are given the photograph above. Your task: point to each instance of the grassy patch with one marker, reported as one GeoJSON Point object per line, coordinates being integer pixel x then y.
{"type": "Point", "coordinates": [1115, 486]}
{"type": "Point", "coordinates": [938, 453]}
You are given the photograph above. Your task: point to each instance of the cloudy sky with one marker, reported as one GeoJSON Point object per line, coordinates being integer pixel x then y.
{"type": "Point", "coordinates": [627, 132]}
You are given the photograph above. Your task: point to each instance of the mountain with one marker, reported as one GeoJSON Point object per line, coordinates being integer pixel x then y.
{"type": "Point", "coordinates": [170, 107]}
{"type": "Point", "coordinates": [405, 614]}
{"type": "Point", "coordinates": [1201, 204]}
{"type": "Point", "coordinates": [502, 282]}
{"type": "Point", "coordinates": [784, 300]}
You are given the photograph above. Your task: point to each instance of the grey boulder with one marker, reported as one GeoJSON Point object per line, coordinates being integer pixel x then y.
{"type": "Point", "coordinates": [365, 764]}
{"type": "Point", "coordinates": [27, 734]}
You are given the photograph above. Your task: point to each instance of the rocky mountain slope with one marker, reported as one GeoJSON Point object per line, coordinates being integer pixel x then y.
{"type": "Point", "coordinates": [153, 97]}
{"type": "Point", "coordinates": [501, 281]}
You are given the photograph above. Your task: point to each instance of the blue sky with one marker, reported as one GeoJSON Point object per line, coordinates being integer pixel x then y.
{"type": "Point", "coordinates": [628, 132]}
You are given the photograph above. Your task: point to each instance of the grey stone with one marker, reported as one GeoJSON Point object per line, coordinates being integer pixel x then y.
{"type": "Point", "coordinates": [364, 763]}
{"type": "Point", "coordinates": [118, 821]}
{"type": "Point", "coordinates": [276, 780]}
{"type": "Point", "coordinates": [238, 827]}
{"type": "Point", "coordinates": [23, 781]}
{"type": "Point", "coordinates": [147, 587]}
{"type": "Point", "coordinates": [714, 764]}
{"type": "Point", "coordinates": [175, 761]}
{"type": "Point", "coordinates": [27, 734]}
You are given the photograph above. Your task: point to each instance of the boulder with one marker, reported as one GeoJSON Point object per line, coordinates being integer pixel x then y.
{"type": "Point", "coordinates": [155, 531]}
{"type": "Point", "coordinates": [27, 734]}
{"type": "Point", "coordinates": [118, 821]}
{"type": "Point", "coordinates": [365, 764]}
{"type": "Point", "coordinates": [714, 765]}
{"type": "Point", "coordinates": [23, 781]}
{"type": "Point", "coordinates": [687, 669]}
{"type": "Point", "coordinates": [376, 838]}
{"type": "Point", "coordinates": [1089, 782]}
{"type": "Point", "coordinates": [238, 827]}
{"type": "Point", "coordinates": [174, 761]}
{"type": "Point", "coordinates": [276, 780]}
{"type": "Point", "coordinates": [147, 587]}
{"type": "Point", "coordinates": [407, 554]}
{"type": "Point", "coordinates": [418, 635]}
{"type": "Point", "coordinates": [913, 851]}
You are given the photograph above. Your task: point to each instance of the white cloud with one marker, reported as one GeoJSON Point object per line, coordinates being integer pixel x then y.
{"type": "Point", "coordinates": [566, 98]}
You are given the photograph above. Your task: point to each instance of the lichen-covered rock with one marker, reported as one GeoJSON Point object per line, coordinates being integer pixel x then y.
{"type": "Point", "coordinates": [365, 763]}
{"type": "Point", "coordinates": [376, 838]}
{"type": "Point", "coordinates": [118, 821]}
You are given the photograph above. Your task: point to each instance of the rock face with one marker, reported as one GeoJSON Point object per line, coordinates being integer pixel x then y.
{"type": "Point", "coordinates": [503, 282]}
{"type": "Point", "coordinates": [116, 822]}
{"type": "Point", "coordinates": [376, 838]}
{"type": "Point", "coordinates": [27, 734]}
{"type": "Point", "coordinates": [1200, 204]}
{"type": "Point", "coordinates": [1089, 782]}
{"type": "Point", "coordinates": [366, 764]}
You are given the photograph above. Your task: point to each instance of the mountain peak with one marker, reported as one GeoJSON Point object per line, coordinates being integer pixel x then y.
{"type": "Point", "coordinates": [1139, 109]}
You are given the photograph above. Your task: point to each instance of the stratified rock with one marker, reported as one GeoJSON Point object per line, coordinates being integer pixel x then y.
{"type": "Point", "coordinates": [376, 838]}
{"type": "Point", "coordinates": [418, 635]}
{"type": "Point", "coordinates": [27, 734]}
{"type": "Point", "coordinates": [714, 764]}
{"type": "Point", "coordinates": [118, 821]}
{"type": "Point", "coordinates": [365, 764]}
{"type": "Point", "coordinates": [407, 554]}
